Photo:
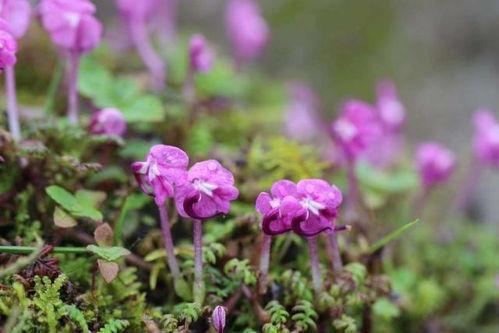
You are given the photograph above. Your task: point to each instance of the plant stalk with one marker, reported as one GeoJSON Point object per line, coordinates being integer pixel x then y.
{"type": "Point", "coordinates": [198, 288]}
{"type": "Point", "coordinates": [467, 187]}
{"type": "Point", "coordinates": [74, 64]}
{"type": "Point", "coordinates": [264, 264]}
{"type": "Point", "coordinates": [30, 249]}
{"type": "Point", "coordinates": [336, 263]}
{"type": "Point", "coordinates": [314, 262]}
{"type": "Point", "coordinates": [156, 67]}
{"type": "Point", "coordinates": [167, 237]}
{"type": "Point", "coordinates": [12, 111]}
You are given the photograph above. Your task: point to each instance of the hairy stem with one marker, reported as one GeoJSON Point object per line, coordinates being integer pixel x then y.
{"type": "Point", "coordinates": [314, 262]}
{"type": "Point", "coordinates": [199, 288]}
{"type": "Point", "coordinates": [12, 111]}
{"type": "Point", "coordinates": [336, 263]}
{"type": "Point", "coordinates": [264, 264]}
{"type": "Point", "coordinates": [167, 237]}
{"type": "Point", "coordinates": [74, 64]}
{"type": "Point", "coordinates": [156, 67]}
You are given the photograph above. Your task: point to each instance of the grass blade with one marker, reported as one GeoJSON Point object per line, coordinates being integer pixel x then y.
{"type": "Point", "coordinates": [382, 242]}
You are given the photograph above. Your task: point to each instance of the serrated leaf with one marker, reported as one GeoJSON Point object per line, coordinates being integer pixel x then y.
{"type": "Point", "coordinates": [108, 269]}
{"type": "Point", "coordinates": [63, 219]}
{"type": "Point", "coordinates": [108, 253]}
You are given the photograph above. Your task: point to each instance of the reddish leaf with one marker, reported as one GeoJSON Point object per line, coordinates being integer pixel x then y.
{"type": "Point", "coordinates": [108, 269]}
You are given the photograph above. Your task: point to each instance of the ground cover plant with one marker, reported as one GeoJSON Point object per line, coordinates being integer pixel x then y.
{"type": "Point", "coordinates": [173, 187]}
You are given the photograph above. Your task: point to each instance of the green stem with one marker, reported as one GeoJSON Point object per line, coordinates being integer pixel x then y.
{"type": "Point", "coordinates": [30, 249]}
{"type": "Point", "coordinates": [53, 89]}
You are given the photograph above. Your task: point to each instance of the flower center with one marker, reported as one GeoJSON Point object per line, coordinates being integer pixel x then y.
{"type": "Point", "coordinates": [204, 187]}
{"type": "Point", "coordinates": [345, 129]}
{"type": "Point", "coordinates": [73, 19]}
{"type": "Point", "coordinates": [312, 205]}
{"type": "Point", "coordinates": [275, 202]}
{"type": "Point", "coordinates": [494, 134]}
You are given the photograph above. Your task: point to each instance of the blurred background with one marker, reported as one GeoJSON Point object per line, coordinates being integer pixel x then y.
{"type": "Point", "coordinates": [443, 56]}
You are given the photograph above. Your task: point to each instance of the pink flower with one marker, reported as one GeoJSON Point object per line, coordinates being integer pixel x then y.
{"type": "Point", "coordinates": [201, 59]}
{"type": "Point", "coordinates": [486, 141]}
{"type": "Point", "coordinates": [247, 30]}
{"type": "Point", "coordinates": [320, 203]}
{"type": "Point", "coordinates": [356, 128]}
{"type": "Point", "coordinates": [71, 24]}
{"type": "Point", "coordinates": [18, 14]}
{"type": "Point", "coordinates": [302, 121]}
{"type": "Point", "coordinates": [108, 121]}
{"type": "Point", "coordinates": [279, 207]}
{"type": "Point", "coordinates": [218, 319]}
{"type": "Point", "coordinates": [207, 192]}
{"type": "Point", "coordinates": [435, 163]}
{"type": "Point", "coordinates": [391, 113]}
{"type": "Point", "coordinates": [8, 46]}
{"type": "Point", "coordinates": [138, 10]}
{"type": "Point", "coordinates": [165, 166]}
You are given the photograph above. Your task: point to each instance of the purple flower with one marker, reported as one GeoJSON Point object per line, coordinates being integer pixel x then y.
{"type": "Point", "coordinates": [200, 57]}
{"type": "Point", "coordinates": [218, 319]}
{"type": "Point", "coordinates": [302, 121]}
{"type": "Point", "coordinates": [138, 10]}
{"type": "Point", "coordinates": [165, 166]}
{"type": "Point", "coordinates": [320, 203]}
{"type": "Point", "coordinates": [486, 141]}
{"type": "Point", "coordinates": [18, 14]}
{"type": "Point", "coordinates": [247, 30]}
{"type": "Point", "coordinates": [71, 24]}
{"type": "Point", "coordinates": [279, 207]}
{"type": "Point", "coordinates": [108, 121]}
{"type": "Point", "coordinates": [392, 112]}
{"type": "Point", "coordinates": [435, 163]}
{"type": "Point", "coordinates": [356, 128]}
{"type": "Point", "coordinates": [8, 46]}
{"type": "Point", "coordinates": [207, 192]}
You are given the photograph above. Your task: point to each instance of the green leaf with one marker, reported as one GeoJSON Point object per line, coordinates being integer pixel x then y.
{"type": "Point", "coordinates": [108, 253]}
{"type": "Point", "coordinates": [144, 109]}
{"type": "Point", "coordinates": [385, 309]}
{"type": "Point", "coordinates": [63, 219]}
{"type": "Point", "coordinates": [77, 206]}
{"type": "Point", "coordinates": [182, 289]}
{"type": "Point", "coordinates": [392, 236]}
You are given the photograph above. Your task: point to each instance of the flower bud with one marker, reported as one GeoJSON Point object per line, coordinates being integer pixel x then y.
{"type": "Point", "coordinates": [218, 319]}
{"type": "Point", "coordinates": [200, 56]}
{"type": "Point", "coordinates": [435, 163]}
{"type": "Point", "coordinates": [108, 121]}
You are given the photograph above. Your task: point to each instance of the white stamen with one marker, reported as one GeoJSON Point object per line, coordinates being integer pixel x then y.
{"type": "Point", "coordinates": [73, 19]}
{"type": "Point", "coordinates": [345, 129]}
{"type": "Point", "coordinates": [312, 205]}
{"type": "Point", "coordinates": [204, 187]}
{"type": "Point", "coordinates": [275, 202]}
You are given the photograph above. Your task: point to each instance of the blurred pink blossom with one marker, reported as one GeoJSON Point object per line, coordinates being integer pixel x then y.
{"type": "Point", "coordinates": [71, 24]}
{"type": "Point", "coordinates": [248, 32]}
{"type": "Point", "coordinates": [486, 140]}
{"type": "Point", "coordinates": [8, 46]}
{"type": "Point", "coordinates": [200, 57]}
{"type": "Point", "coordinates": [109, 121]}
{"type": "Point", "coordinates": [435, 163]}
{"type": "Point", "coordinates": [18, 14]}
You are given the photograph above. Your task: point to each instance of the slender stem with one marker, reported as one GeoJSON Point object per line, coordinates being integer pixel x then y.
{"type": "Point", "coordinates": [12, 111]}
{"type": "Point", "coordinates": [53, 89]}
{"type": "Point", "coordinates": [336, 263]}
{"type": "Point", "coordinates": [420, 202]}
{"type": "Point", "coordinates": [74, 64]}
{"type": "Point", "coordinates": [467, 187]}
{"type": "Point", "coordinates": [314, 262]}
{"type": "Point", "coordinates": [156, 67]}
{"type": "Point", "coordinates": [353, 185]}
{"type": "Point", "coordinates": [188, 89]}
{"type": "Point", "coordinates": [264, 264]}
{"type": "Point", "coordinates": [199, 288]}
{"type": "Point", "coordinates": [30, 249]}
{"type": "Point", "coordinates": [167, 237]}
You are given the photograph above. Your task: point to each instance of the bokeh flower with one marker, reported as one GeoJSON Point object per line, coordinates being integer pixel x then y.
{"type": "Point", "coordinates": [208, 191]}
{"type": "Point", "coordinates": [18, 14]}
{"type": "Point", "coordinates": [248, 32]}
{"type": "Point", "coordinates": [8, 46]}
{"type": "Point", "coordinates": [486, 140]}
{"type": "Point", "coordinates": [71, 24]}
{"type": "Point", "coordinates": [108, 121]}
{"type": "Point", "coordinates": [435, 163]}
{"type": "Point", "coordinates": [164, 168]}
{"type": "Point", "coordinates": [200, 57]}
{"type": "Point", "coordinates": [356, 128]}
